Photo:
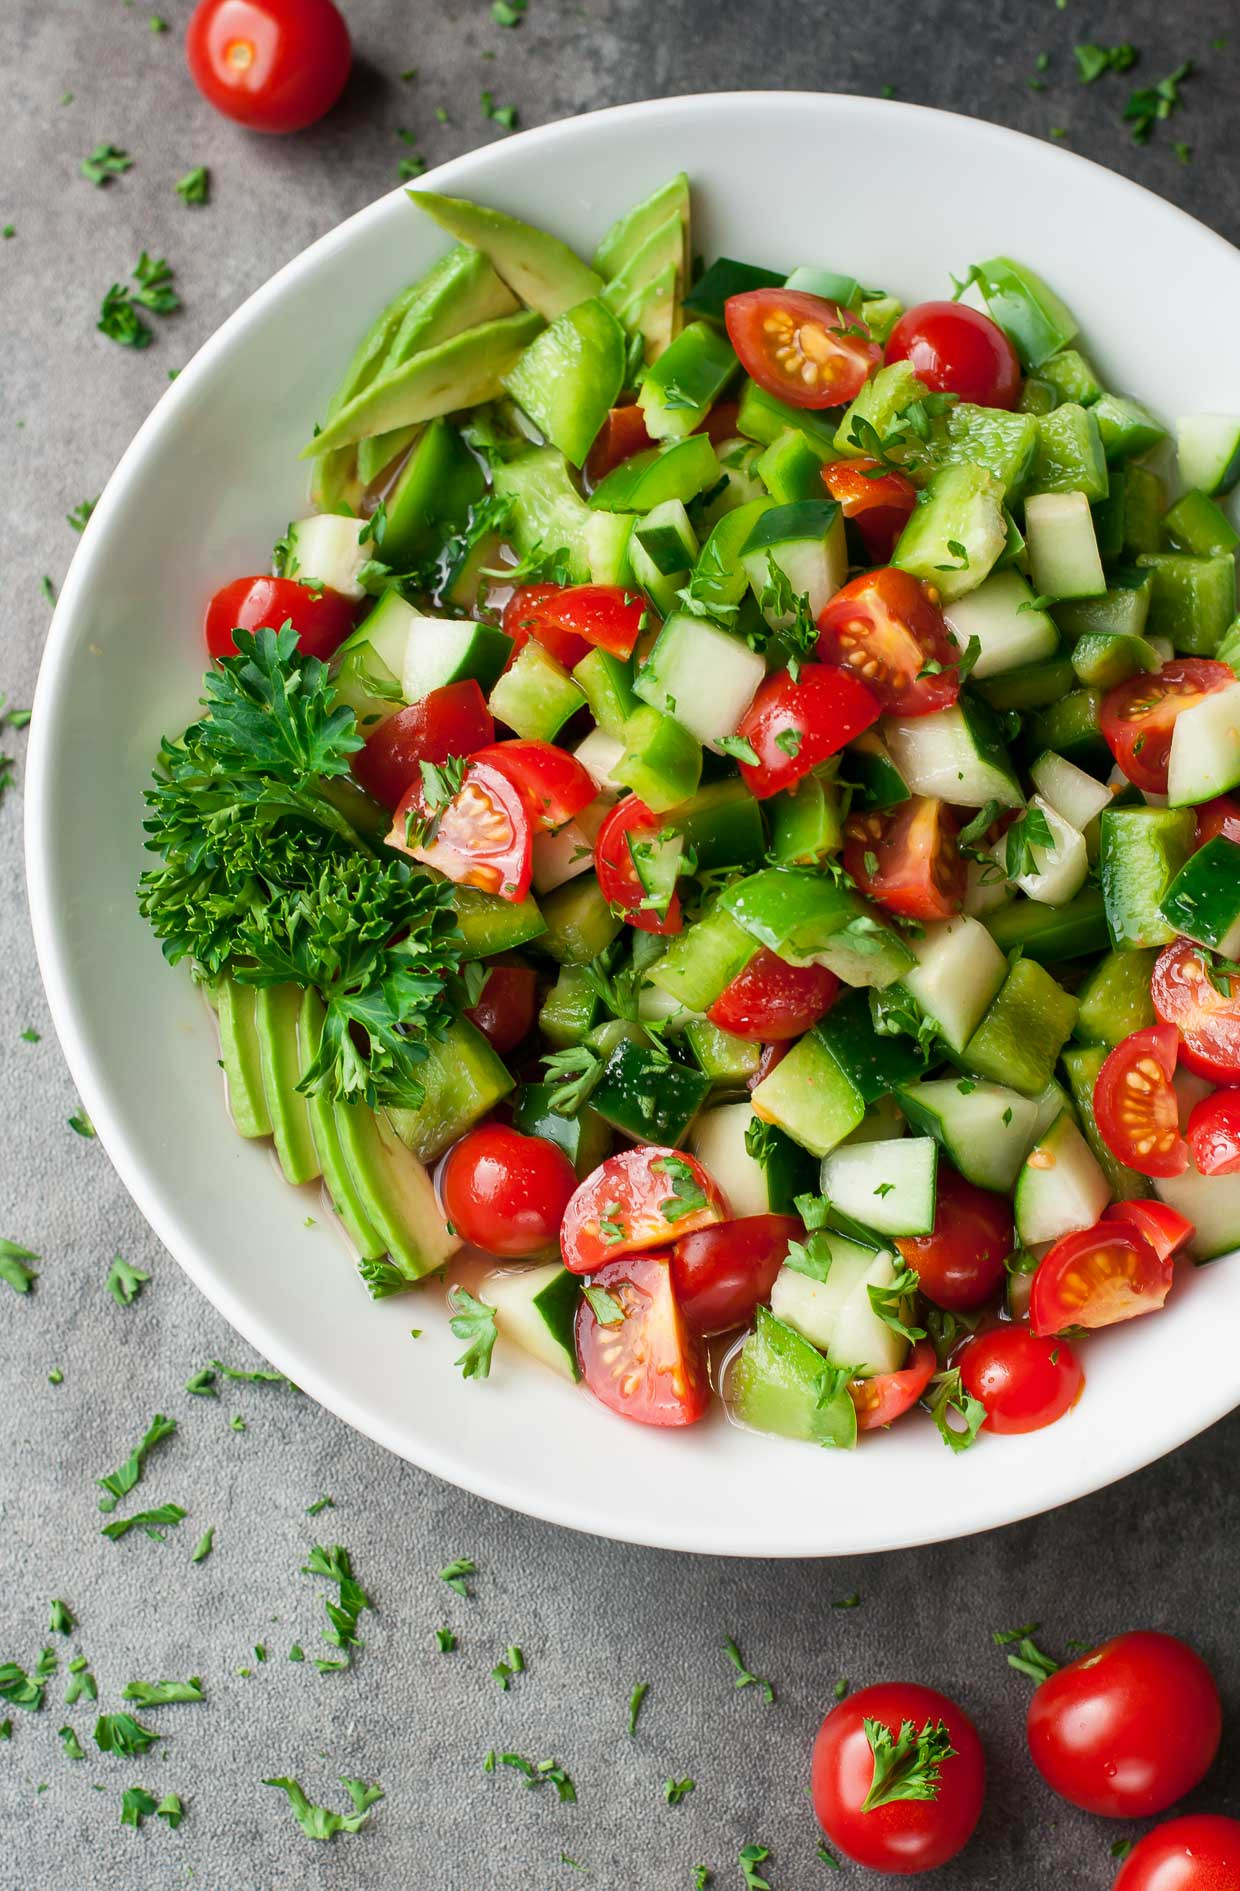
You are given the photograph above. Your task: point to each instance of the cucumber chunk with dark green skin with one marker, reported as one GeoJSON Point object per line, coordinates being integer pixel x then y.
{"type": "Point", "coordinates": [1193, 600]}
{"type": "Point", "coordinates": [726, 1059]}
{"type": "Point", "coordinates": [874, 1064]}
{"type": "Point", "coordinates": [1195, 524]}
{"type": "Point", "coordinates": [569, 1009]}
{"type": "Point", "coordinates": [644, 1095]}
{"type": "Point", "coordinates": [462, 1078]}
{"type": "Point", "coordinates": [726, 278]}
{"type": "Point", "coordinates": [1072, 727]}
{"type": "Point", "coordinates": [1051, 934]}
{"type": "Point", "coordinates": [1032, 686]}
{"type": "Point", "coordinates": [1203, 901]}
{"type": "Point", "coordinates": [585, 1138]}
{"type": "Point", "coordinates": [1141, 852]}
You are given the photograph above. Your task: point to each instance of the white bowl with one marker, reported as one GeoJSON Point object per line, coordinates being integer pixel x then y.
{"type": "Point", "coordinates": [893, 193]}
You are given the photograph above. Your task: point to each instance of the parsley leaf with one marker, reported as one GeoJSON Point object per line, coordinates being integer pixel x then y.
{"type": "Point", "coordinates": [121, 1733]}
{"type": "Point", "coordinates": [160, 1693]}
{"type": "Point", "coordinates": [687, 1196]}
{"type": "Point", "coordinates": [105, 162]}
{"type": "Point", "coordinates": [574, 1073]}
{"type": "Point", "coordinates": [1030, 831]}
{"type": "Point", "coordinates": [675, 1790]}
{"type": "Point", "coordinates": [1093, 60]}
{"type": "Point", "coordinates": [153, 1522]}
{"type": "Point", "coordinates": [743, 1676]}
{"type": "Point", "coordinates": [13, 1268]}
{"type": "Point", "coordinates": [1029, 1658]}
{"type": "Point", "coordinates": [749, 1858]}
{"type": "Point", "coordinates": [119, 1483]}
{"type": "Point", "coordinates": [1148, 104]}
{"type": "Point", "coordinates": [635, 1705]}
{"type": "Point", "coordinates": [318, 1822]}
{"type": "Point", "coordinates": [80, 515]}
{"type": "Point", "coordinates": [891, 1304]}
{"type": "Point", "coordinates": [958, 1415]}
{"type": "Point", "coordinates": [739, 748]}
{"type": "Point", "coordinates": [906, 1767]}
{"type": "Point", "coordinates": [124, 1282]}
{"type": "Point", "coordinates": [542, 1772]}
{"type": "Point", "coordinates": [455, 1573]}
{"type": "Point", "coordinates": [73, 1746]}
{"type": "Point", "coordinates": [474, 1322]}
{"type": "Point", "coordinates": [195, 186]}
{"type": "Point", "coordinates": [62, 1622]}
{"type": "Point", "coordinates": [342, 1615]}
{"type": "Point", "coordinates": [20, 1689]}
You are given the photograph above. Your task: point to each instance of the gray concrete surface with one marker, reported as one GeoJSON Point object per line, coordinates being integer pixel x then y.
{"type": "Point", "coordinates": [593, 1619]}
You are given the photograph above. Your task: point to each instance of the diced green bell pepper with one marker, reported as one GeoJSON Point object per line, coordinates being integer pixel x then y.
{"type": "Point", "coordinates": [1023, 1030]}
{"type": "Point", "coordinates": [1141, 852]}
{"type": "Point", "coordinates": [1193, 600]}
{"type": "Point", "coordinates": [1114, 999]}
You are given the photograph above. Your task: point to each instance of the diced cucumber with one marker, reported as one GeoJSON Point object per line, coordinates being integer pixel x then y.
{"type": "Point", "coordinates": [1144, 504]}
{"type": "Point", "coordinates": [490, 923]}
{"type": "Point", "coordinates": [809, 1097]}
{"type": "Point", "coordinates": [882, 1122]}
{"type": "Point", "coordinates": [722, 824]}
{"type": "Point", "coordinates": [874, 1062]}
{"type": "Point", "coordinates": [1115, 998]}
{"type": "Point", "coordinates": [1072, 727]}
{"type": "Point", "coordinates": [535, 696]}
{"type": "Point", "coordinates": [570, 376]}
{"type": "Point", "coordinates": [986, 890]}
{"type": "Point", "coordinates": [1208, 448]}
{"type": "Point", "coordinates": [1193, 601]}
{"type": "Point", "coordinates": [1195, 524]}
{"type": "Point", "coordinates": [958, 972]}
{"type": "Point", "coordinates": [828, 284]}
{"type": "Point", "coordinates": [607, 540]}
{"type": "Point", "coordinates": [1125, 427]}
{"type": "Point", "coordinates": [1003, 443]}
{"type": "Point", "coordinates": [679, 469]}
{"type": "Point", "coordinates": [241, 1057]}
{"type": "Point", "coordinates": [954, 754]}
{"type": "Point", "coordinates": [1052, 1103]}
{"type": "Point", "coordinates": [657, 862]}
{"type": "Point", "coordinates": [836, 1314]}
{"type": "Point", "coordinates": [1075, 796]}
{"type": "Point", "coordinates": [1205, 755]}
{"type": "Point", "coordinates": [1061, 1187]}
{"type": "Point", "coordinates": [679, 388]}
{"type": "Point", "coordinates": [1036, 322]}
{"type": "Point", "coordinates": [790, 469]}
{"type": "Point", "coordinates": [397, 1192]}
{"type": "Point", "coordinates": [763, 1183]}
{"type": "Point", "coordinates": [1031, 687]}
{"type": "Point", "coordinates": [1103, 658]}
{"type": "Point", "coordinates": [579, 924]}
{"type": "Point", "coordinates": [803, 915]}
{"type": "Point", "coordinates": [536, 1307]}
{"type": "Point", "coordinates": [463, 1078]}
{"type": "Point", "coordinates": [1203, 901]}
{"type": "Point", "coordinates": [701, 675]}
{"type": "Point", "coordinates": [1212, 1204]}
{"type": "Point", "coordinates": [806, 543]}
{"type": "Point", "coordinates": [1023, 1031]}
{"type": "Point", "coordinates": [584, 1137]}
{"type": "Point", "coordinates": [738, 483]}
{"type": "Point", "coordinates": [887, 1186]}
{"type": "Point", "coordinates": [570, 850]}
{"type": "Point", "coordinates": [1142, 850]}
{"type": "Point", "coordinates": [660, 760]}
{"type": "Point", "coordinates": [1122, 609]}
{"type": "Point", "coordinates": [1054, 874]}
{"type": "Point", "coordinates": [569, 1009]}
{"type": "Point", "coordinates": [1081, 1063]}
{"type": "Point", "coordinates": [719, 577]}
{"type": "Point", "coordinates": [879, 405]}
{"type": "Point", "coordinates": [444, 650]}
{"type": "Point", "coordinates": [1051, 934]}
{"type": "Point", "coordinates": [703, 959]}
{"type": "Point", "coordinates": [663, 548]}
{"type": "Point", "coordinates": [780, 1384]}
{"type": "Point", "coordinates": [984, 1127]}
{"type": "Point", "coordinates": [371, 662]}
{"type": "Point", "coordinates": [1063, 549]}
{"type": "Point", "coordinates": [643, 1095]}
{"type": "Point", "coordinates": [1002, 615]}
{"type": "Point", "coordinates": [724, 278]}
{"type": "Point", "coordinates": [607, 682]}
{"type": "Point", "coordinates": [957, 531]}
{"type": "Point", "coordinates": [548, 512]}
{"type": "Point", "coordinates": [1069, 456]}
{"type": "Point", "coordinates": [600, 754]}
{"type": "Point", "coordinates": [1072, 377]}
{"type": "Point", "coordinates": [728, 1061]}
{"type": "Point", "coordinates": [879, 782]}
{"type": "Point", "coordinates": [277, 1010]}
{"type": "Point", "coordinates": [329, 550]}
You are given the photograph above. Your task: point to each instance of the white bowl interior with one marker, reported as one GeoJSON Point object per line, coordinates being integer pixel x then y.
{"type": "Point", "coordinates": [895, 194]}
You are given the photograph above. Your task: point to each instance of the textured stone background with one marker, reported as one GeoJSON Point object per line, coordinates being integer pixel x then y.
{"type": "Point", "coordinates": [592, 1618]}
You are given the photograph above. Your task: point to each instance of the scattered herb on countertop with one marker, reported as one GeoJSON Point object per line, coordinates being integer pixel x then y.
{"type": "Point", "coordinates": [120, 1482]}
{"type": "Point", "coordinates": [743, 1676]}
{"type": "Point", "coordinates": [319, 1822]}
{"type": "Point", "coordinates": [105, 162]}
{"type": "Point", "coordinates": [124, 1282]}
{"type": "Point", "coordinates": [13, 1268]}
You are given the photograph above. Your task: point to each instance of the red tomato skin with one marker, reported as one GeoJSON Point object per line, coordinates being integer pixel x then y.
{"type": "Point", "coordinates": [621, 435]}
{"type": "Point", "coordinates": [601, 616]}
{"type": "Point", "coordinates": [1025, 1383]}
{"type": "Point", "coordinates": [883, 1399]}
{"type": "Point", "coordinates": [627, 1191]}
{"type": "Point", "coordinates": [453, 720]}
{"type": "Point", "coordinates": [650, 1368]}
{"type": "Point", "coordinates": [906, 1835]}
{"type": "Point", "coordinates": [1214, 1133]}
{"type": "Point", "coordinates": [1164, 1227]}
{"type": "Point", "coordinates": [772, 1054]}
{"type": "Point", "coordinates": [1220, 816]}
{"type": "Point", "coordinates": [720, 1274]}
{"type": "Point", "coordinates": [918, 871]}
{"type": "Point", "coordinates": [886, 628]}
{"type": "Point", "coordinates": [505, 1192]}
{"type": "Point", "coordinates": [272, 65]}
{"type": "Point", "coordinates": [488, 806]}
{"type": "Point", "coordinates": [1144, 710]}
{"type": "Point", "coordinates": [1198, 1853]}
{"type": "Point", "coordinates": [878, 505]}
{"type": "Point", "coordinates": [1097, 1277]}
{"type": "Point", "coordinates": [720, 423]}
{"type": "Point", "coordinates": [957, 350]}
{"type": "Point", "coordinates": [322, 620]}
{"type": "Point", "coordinates": [524, 619]}
{"type": "Point", "coordinates": [772, 1000]}
{"type": "Point", "coordinates": [828, 706]}
{"type": "Point", "coordinates": [1208, 1021]}
{"type": "Point", "coordinates": [1141, 1125]}
{"type": "Point", "coordinates": [553, 783]}
{"type": "Point", "coordinates": [960, 1264]}
{"type": "Point", "coordinates": [1127, 1729]}
{"type": "Point", "coordinates": [504, 1012]}
{"type": "Point", "coordinates": [617, 876]}
{"type": "Point", "coordinates": [843, 363]}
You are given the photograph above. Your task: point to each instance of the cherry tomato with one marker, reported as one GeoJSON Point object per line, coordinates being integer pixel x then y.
{"type": "Point", "coordinates": [631, 824]}
{"type": "Point", "coordinates": [647, 1366]}
{"type": "Point", "coordinates": [1214, 1133]}
{"type": "Point", "coordinates": [504, 1012]}
{"type": "Point", "coordinates": [720, 423]}
{"type": "Point", "coordinates": [322, 619]}
{"type": "Point", "coordinates": [1164, 1227]}
{"type": "Point", "coordinates": [907, 859]}
{"type": "Point", "coordinates": [1127, 1729]}
{"type": "Point", "coordinates": [554, 783]}
{"type": "Point", "coordinates": [772, 1000]}
{"type": "Point", "coordinates": [1138, 717]}
{"type": "Point", "coordinates": [1136, 1106]}
{"type": "Point", "coordinates": [450, 721]}
{"type": "Point", "coordinates": [720, 1274]}
{"type": "Point", "coordinates": [482, 838]}
{"type": "Point", "coordinates": [1208, 1019]}
{"type": "Point", "coordinates": [1220, 816]}
{"type": "Point", "coordinates": [621, 435]}
{"type": "Point", "coordinates": [1096, 1277]}
{"type": "Point", "coordinates": [506, 1192]}
{"type": "Point", "coordinates": [803, 349]}
{"type": "Point", "coordinates": [957, 350]}
{"type": "Point", "coordinates": [772, 1054]}
{"type": "Point", "coordinates": [1199, 1853]}
{"type": "Point", "coordinates": [878, 503]}
{"type": "Point", "coordinates": [1024, 1382]}
{"type": "Point", "coordinates": [792, 726]}
{"type": "Point", "coordinates": [599, 616]}
{"type": "Point", "coordinates": [900, 1835]}
{"type": "Point", "coordinates": [885, 627]}
{"type": "Point", "coordinates": [523, 619]}
{"type": "Point", "coordinates": [960, 1263]}
{"type": "Point", "coordinates": [273, 65]}
{"type": "Point", "coordinates": [886, 1397]}
{"type": "Point", "coordinates": [641, 1198]}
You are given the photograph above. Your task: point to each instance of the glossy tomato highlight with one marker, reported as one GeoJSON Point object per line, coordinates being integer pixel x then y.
{"type": "Point", "coordinates": [772, 1000]}
{"type": "Point", "coordinates": [322, 619]}
{"type": "Point", "coordinates": [272, 65]}
{"type": "Point", "coordinates": [506, 1192]}
{"type": "Point", "coordinates": [886, 629]}
{"type": "Point", "coordinates": [1025, 1383]}
{"type": "Point", "coordinates": [1097, 1277]}
{"type": "Point", "coordinates": [721, 1273]}
{"type": "Point", "coordinates": [957, 350]}
{"type": "Point", "coordinates": [1205, 1010]}
{"type": "Point", "coordinates": [642, 1198]}
{"type": "Point", "coordinates": [960, 1263]}
{"type": "Point", "coordinates": [794, 724]}
{"type": "Point", "coordinates": [450, 721]}
{"type": "Point", "coordinates": [801, 348]}
{"type": "Point", "coordinates": [1198, 1853]}
{"type": "Point", "coordinates": [482, 837]}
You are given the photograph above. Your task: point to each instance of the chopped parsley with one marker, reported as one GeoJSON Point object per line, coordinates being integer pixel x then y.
{"type": "Point", "coordinates": [1092, 60]}
{"type": "Point", "coordinates": [539, 1773]}
{"type": "Point", "coordinates": [455, 1573]}
{"type": "Point", "coordinates": [636, 1699]}
{"type": "Point", "coordinates": [676, 1790]}
{"type": "Point", "coordinates": [604, 1306]}
{"type": "Point", "coordinates": [906, 1767]}
{"type": "Point", "coordinates": [512, 1663]}
{"type": "Point", "coordinates": [445, 1641]}
{"type": "Point", "coordinates": [119, 1483]}
{"type": "Point", "coordinates": [105, 162]}
{"type": "Point", "coordinates": [204, 1546]}
{"type": "Point", "coordinates": [319, 1822]}
{"type": "Point", "coordinates": [80, 515]}
{"type": "Point", "coordinates": [891, 1304]}
{"type": "Point", "coordinates": [161, 1693]}
{"type": "Point", "coordinates": [742, 750]}
{"type": "Point", "coordinates": [195, 186]}
{"type": "Point", "coordinates": [508, 12]}
{"type": "Point", "coordinates": [342, 1614]}
{"type": "Point", "coordinates": [958, 1415]}
{"type": "Point", "coordinates": [687, 1196]}
{"type": "Point", "coordinates": [62, 1622]}
{"type": "Point", "coordinates": [20, 1689]}
{"type": "Point", "coordinates": [1028, 1657]}
{"type": "Point", "coordinates": [503, 115]}
{"type": "Point", "coordinates": [1030, 831]}
{"type": "Point", "coordinates": [81, 1683]}
{"type": "Point", "coordinates": [124, 1282]}
{"type": "Point", "coordinates": [1149, 104]}
{"type": "Point", "coordinates": [73, 1746]}
{"type": "Point", "coordinates": [749, 1858]}
{"type": "Point", "coordinates": [320, 1503]}
{"type": "Point", "coordinates": [474, 1322]}
{"type": "Point", "coordinates": [153, 1522]}
{"type": "Point", "coordinates": [743, 1676]}
{"type": "Point", "coordinates": [121, 1733]}
{"type": "Point", "coordinates": [13, 1269]}
{"type": "Point", "coordinates": [81, 1125]}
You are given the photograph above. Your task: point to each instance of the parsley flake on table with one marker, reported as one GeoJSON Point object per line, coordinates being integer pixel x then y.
{"type": "Point", "coordinates": [749, 1858]}
{"type": "Point", "coordinates": [1092, 60]}
{"type": "Point", "coordinates": [204, 1546]}
{"type": "Point", "coordinates": [124, 1282]}
{"type": "Point", "coordinates": [455, 1573]}
{"type": "Point", "coordinates": [1028, 1657]}
{"type": "Point", "coordinates": [81, 1685]}
{"type": "Point", "coordinates": [676, 1790]}
{"type": "Point", "coordinates": [512, 1664]}
{"type": "Point", "coordinates": [1148, 104]}
{"type": "Point", "coordinates": [162, 1693]}
{"type": "Point", "coordinates": [445, 1641]}
{"type": "Point", "coordinates": [508, 12]}
{"type": "Point", "coordinates": [20, 1689]}
{"type": "Point", "coordinates": [13, 1269]}
{"type": "Point", "coordinates": [81, 1125]}
{"type": "Point", "coordinates": [320, 1503]}
{"type": "Point", "coordinates": [73, 1746]}
{"type": "Point", "coordinates": [195, 186]}
{"type": "Point", "coordinates": [636, 1698]}
{"type": "Point", "coordinates": [121, 1733]}
{"type": "Point", "coordinates": [80, 514]}
{"type": "Point", "coordinates": [503, 115]}
{"type": "Point", "coordinates": [105, 162]}
{"type": "Point", "coordinates": [743, 1676]}
{"type": "Point", "coordinates": [62, 1622]}
{"type": "Point", "coordinates": [342, 1615]}
{"type": "Point", "coordinates": [152, 1522]}
{"type": "Point", "coordinates": [319, 1822]}
{"type": "Point", "coordinates": [540, 1773]}
{"type": "Point", "coordinates": [119, 1483]}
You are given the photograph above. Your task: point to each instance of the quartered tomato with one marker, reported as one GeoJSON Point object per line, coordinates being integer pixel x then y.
{"type": "Point", "coordinates": [885, 627]}
{"type": "Point", "coordinates": [1138, 717]}
{"type": "Point", "coordinates": [878, 503]}
{"type": "Point", "coordinates": [1164, 1227]}
{"type": "Point", "coordinates": [1097, 1277]}
{"type": "Point", "coordinates": [721, 1274]}
{"type": "Point", "coordinates": [504, 1012]}
{"type": "Point", "coordinates": [273, 65]}
{"type": "Point", "coordinates": [1198, 1853]}
{"type": "Point", "coordinates": [907, 859]}
{"type": "Point", "coordinates": [631, 825]}
{"type": "Point", "coordinates": [957, 350]}
{"type": "Point", "coordinates": [772, 1000]}
{"type": "Point", "coordinates": [483, 837]}
{"type": "Point", "coordinates": [803, 349]}
{"type": "Point", "coordinates": [453, 720]}
{"type": "Point", "coordinates": [1024, 1382]}
{"type": "Point", "coordinates": [600, 616]}
{"type": "Point", "coordinates": [553, 782]}
{"type": "Point", "coordinates": [1207, 1019]}
{"type": "Point", "coordinates": [960, 1263]}
{"type": "Point", "coordinates": [1220, 816]}
{"type": "Point", "coordinates": [646, 1365]}
{"type": "Point", "coordinates": [523, 619]}
{"type": "Point", "coordinates": [883, 1399]}
{"type": "Point", "coordinates": [792, 726]}
{"type": "Point", "coordinates": [322, 619]}
{"type": "Point", "coordinates": [621, 435]}
{"type": "Point", "coordinates": [1136, 1106]}
{"type": "Point", "coordinates": [1214, 1133]}
{"type": "Point", "coordinates": [641, 1198]}
{"type": "Point", "coordinates": [506, 1192]}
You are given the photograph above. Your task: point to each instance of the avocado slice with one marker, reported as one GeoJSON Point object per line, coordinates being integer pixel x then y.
{"type": "Point", "coordinates": [242, 1059]}
{"type": "Point", "coordinates": [630, 232]}
{"type": "Point", "coordinates": [337, 1179]}
{"type": "Point", "coordinates": [398, 1197]}
{"type": "Point", "coordinates": [652, 312]}
{"type": "Point", "coordinates": [276, 1012]}
{"type": "Point", "coordinates": [544, 272]}
{"type": "Point", "coordinates": [463, 1078]}
{"type": "Point", "coordinates": [460, 372]}
{"type": "Point", "coordinates": [663, 246]}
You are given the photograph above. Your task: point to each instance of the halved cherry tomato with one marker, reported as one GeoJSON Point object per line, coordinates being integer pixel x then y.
{"type": "Point", "coordinates": [523, 619]}
{"type": "Point", "coordinates": [621, 435]}
{"type": "Point", "coordinates": [1135, 1103]}
{"type": "Point", "coordinates": [721, 1274]}
{"type": "Point", "coordinates": [554, 783]}
{"type": "Point", "coordinates": [483, 837]}
{"type": "Point", "coordinates": [504, 1012]}
{"type": "Point", "coordinates": [1024, 1382]}
{"type": "Point", "coordinates": [1097, 1277]}
{"type": "Point", "coordinates": [453, 720]}
{"type": "Point", "coordinates": [1138, 717]}
{"type": "Point", "coordinates": [883, 1399]}
{"type": "Point", "coordinates": [771, 1000]}
{"type": "Point", "coordinates": [1214, 1133]}
{"type": "Point", "coordinates": [906, 858]}
{"type": "Point", "coordinates": [647, 1366]}
{"type": "Point", "coordinates": [720, 423]}
{"type": "Point", "coordinates": [1200, 1852]}
{"type": "Point", "coordinates": [885, 628]}
{"type": "Point", "coordinates": [641, 1198]}
{"type": "Point", "coordinates": [960, 1263]}
{"type": "Point", "coordinates": [603, 616]}
{"type": "Point", "coordinates": [322, 619]}
{"type": "Point", "coordinates": [792, 726]}
{"type": "Point", "coordinates": [506, 1192]}
{"type": "Point", "coordinates": [273, 65]}
{"type": "Point", "coordinates": [631, 824]}
{"type": "Point", "coordinates": [1163, 1226]}
{"type": "Point", "coordinates": [1207, 1019]}
{"type": "Point", "coordinates": [878, 503]}
{"type": "Point", "coordinates": [802, 348]}
{"type": "Point", "coordinates": [957, 350]}
{"type": "Point", "coordinates": [1220, 816]}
